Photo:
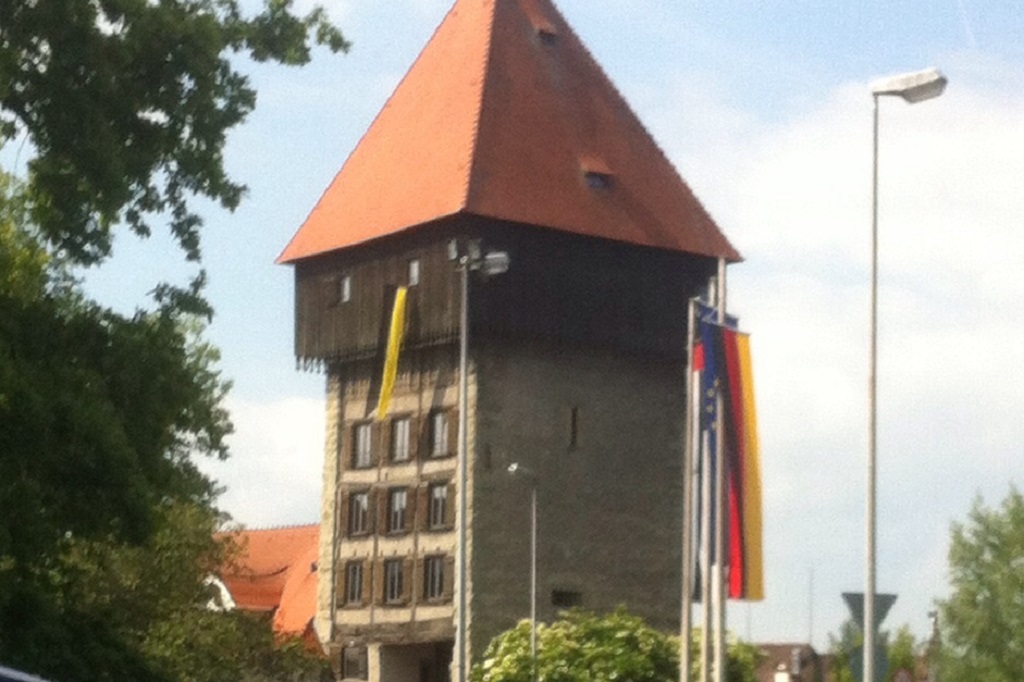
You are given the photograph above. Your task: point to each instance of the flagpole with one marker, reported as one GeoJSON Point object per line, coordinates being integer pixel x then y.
{"type": "Point", "coordinates": [719, 571]}
{"type": "Point", "coordinates": [705, 560]}
{"type": "Point", "coordinates": [686, 615]}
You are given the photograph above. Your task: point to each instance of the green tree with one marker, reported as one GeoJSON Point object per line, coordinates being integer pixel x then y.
{"type": "Point", "coordinates": [123, 107]}
{"type": "Point", "coordinates": [153, 598]}
{"type": "Point", "coordinates": [983, 618]}
{"type": "Point", "coordinates": [903, 651]}
{"type": "Point", "coordinates": [900, 649]}
{"type": "Point", "coordinates": [583, 646]}
{"type": "Point", "coordinates": [126, 105]}
{"type": "Point", "coordinates": [106, 532]}
{"type": "Point", "coordinates": [842, 647]}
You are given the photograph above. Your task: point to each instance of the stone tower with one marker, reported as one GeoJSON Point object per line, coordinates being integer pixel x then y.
{"type": "Point", "coordinates": [504, 135]}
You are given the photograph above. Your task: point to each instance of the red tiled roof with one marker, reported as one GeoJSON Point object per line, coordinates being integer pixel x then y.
{"type": "Point", "coordinates": [276, 572]}
{"type": "Point", "coordinates": [502, 116]}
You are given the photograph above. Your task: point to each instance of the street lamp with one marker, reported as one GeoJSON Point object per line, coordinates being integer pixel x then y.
{"type": "Point", "coordinates": [516, 470]}
{"type": "Point", "coordinates": [912, 87]}
{"type": "Point", "coordinates": [486, 265]}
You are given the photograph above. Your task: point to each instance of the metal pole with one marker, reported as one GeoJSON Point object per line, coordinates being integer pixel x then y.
{"type": "Point", "coordinates": [869, 582]}
{"type": "Point", "coordinates": [719, 572]}
{"type": "Point", "coordinates": [460, 632]}
{"type": "Point", "coordinates": [686, 613]}
{"type": "Point", "coordinates": [533, 579]}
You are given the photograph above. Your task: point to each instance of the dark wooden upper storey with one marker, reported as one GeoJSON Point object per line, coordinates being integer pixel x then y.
{"type": "Point", "coordinates": [559, 288]}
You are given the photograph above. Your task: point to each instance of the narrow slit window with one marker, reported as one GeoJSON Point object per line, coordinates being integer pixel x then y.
{"type": "Point", "coordinates": [566, 599]}
{"type": "Point", "coordinates": [414, 272]}
{"type": "Point", "coordinates": [574, 427]}
{"type": "Point", "coordinates": [345, 289]}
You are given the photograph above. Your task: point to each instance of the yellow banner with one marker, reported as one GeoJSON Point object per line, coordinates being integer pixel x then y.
{"type": "Point", "coordinates": [387, 384]}
{"type": "Point", "coordinates": [753, 538]}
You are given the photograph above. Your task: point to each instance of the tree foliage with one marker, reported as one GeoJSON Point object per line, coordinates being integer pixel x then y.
{"type": "Point", "coordinates": [901, 651]}
{"type": "Point", "coordinates": [123, 107]}
{"type": "Point", "coordinates": [106, 531]}
{"type": "Point", "coordinates": [583, 646]}
{"type": "Point", "coordinates": [983, 618]}
{"type": "Point", "coordinates": [127, 103]}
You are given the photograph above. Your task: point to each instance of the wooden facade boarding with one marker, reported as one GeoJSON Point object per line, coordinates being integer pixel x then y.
{"type": "Point", "coordinates": [562, 288]}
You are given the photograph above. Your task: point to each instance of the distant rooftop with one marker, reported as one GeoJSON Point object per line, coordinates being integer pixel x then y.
{"type": "Point", "coordinates": [277, 573]}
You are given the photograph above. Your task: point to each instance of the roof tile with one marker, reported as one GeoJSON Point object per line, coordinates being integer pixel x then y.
{"type": "Point", "coordinates": [493, 120]}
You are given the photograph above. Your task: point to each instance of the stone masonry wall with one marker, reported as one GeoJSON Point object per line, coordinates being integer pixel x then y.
{"type": "Point", "coordinates": [609, 497]}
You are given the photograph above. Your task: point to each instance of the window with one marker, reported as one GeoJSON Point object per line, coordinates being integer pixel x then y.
{"type": "Point", "coordinates": [353, 663]}
{"type": "Point", "coordinates": [345, 289]}
{"type": "Point", "coordinates": [596, 180]}
{"type": "Point", "coordinates": [433, 577]}
{"type": "Point", "coordinates": [359, 513]}
{"type": "Point", "coordinates": [439, 446]}
{"type": "Point", "coordinates": [566, 599]}
{"type": "Point", "coordinates": [354, 582]}
{"type": "Point", "coordinates": [574, 427]}
{"type": "Point", "coordinates": [438, 510]}
{"type": "Point", "coordinates": [362, 434]}
{"type": "Point", "coordinates": [400, 439]}
{"type": "Point", "coordinates": [397, 504]}
{"type": "Point", "coordinates": [414, 272]}
{"type": "Point", "coordinates": [393, 580]}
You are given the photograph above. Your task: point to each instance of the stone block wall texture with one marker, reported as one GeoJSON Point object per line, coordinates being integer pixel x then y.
{"type": "Point", "coordinates": [609, 505]}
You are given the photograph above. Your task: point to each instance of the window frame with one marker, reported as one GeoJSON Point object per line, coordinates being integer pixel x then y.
{"type": "Point", "coordinates": [394, 578]}
{"type": "Point", "coordinates": [345, 288]}
{"type": "Point", "coordinates": [358, 523]}
{"type": "Point", "coordinates": [439, 445]}
{"type": "Point", "coordinates": [362, 445]}
{"type": "Point", "coordinates": [437, 505]}
{"type": "Point", "coordinates": [414, 272]}
{"type": "Point", "coordinates": [401, 446]}
{"type": "Point", "coordinates": [354, 663]}
{"type": "Point", "coordinates": [354, 583]}
{"type": "Point", "coordinates": [433, 577]}
{"type": "Point", "coordinates": [398, 515]}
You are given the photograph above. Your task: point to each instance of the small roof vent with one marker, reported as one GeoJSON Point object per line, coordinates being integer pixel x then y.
{"type": "Point", "coordinates": [545, 28]}
{"type": "Point", "coordinates": [596, 172]}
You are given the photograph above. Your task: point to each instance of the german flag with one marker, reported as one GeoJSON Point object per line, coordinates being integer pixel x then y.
{"type": "Point", "coordinates": [727, 371]}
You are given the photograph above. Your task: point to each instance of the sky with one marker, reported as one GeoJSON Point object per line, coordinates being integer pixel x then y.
{"type": "Point", "coordinates": [764, 108]}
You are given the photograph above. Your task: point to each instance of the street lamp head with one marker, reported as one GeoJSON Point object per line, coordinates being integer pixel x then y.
{"type": "Point", "coordinates": [913, 87]}
{"type": "Point", "coordinates": [495, 263]}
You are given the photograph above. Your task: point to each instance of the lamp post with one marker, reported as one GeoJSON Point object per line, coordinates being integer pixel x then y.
{"type": "Point", "coordinates": [914, 87]}
{"type": "Point", "coordinates": [486, 265]}
{"type": "Point", "coordinates": [516, 470]}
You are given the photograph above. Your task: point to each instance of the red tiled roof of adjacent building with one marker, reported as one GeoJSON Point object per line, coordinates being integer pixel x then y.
{"type": "Point", "coordinates": [506, 115]}
{"type": "Point", "coordinates": [276, 572]}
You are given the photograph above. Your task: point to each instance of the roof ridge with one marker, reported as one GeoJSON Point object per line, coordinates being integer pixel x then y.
{"type": "Point", "coordinates": [624, 102]}
{"type": "Point", "coordinates": [369, 128]}
{"type": "Point", "coordinates": [471, 149]}
{"type": "Point", "coordinates": [262, 529]}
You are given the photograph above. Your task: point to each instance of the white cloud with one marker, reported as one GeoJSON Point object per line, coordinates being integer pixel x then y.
{"type": "Point", "coordinates": [795, 199]}
{"type": "Point", "coordinates": [273, 477]}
